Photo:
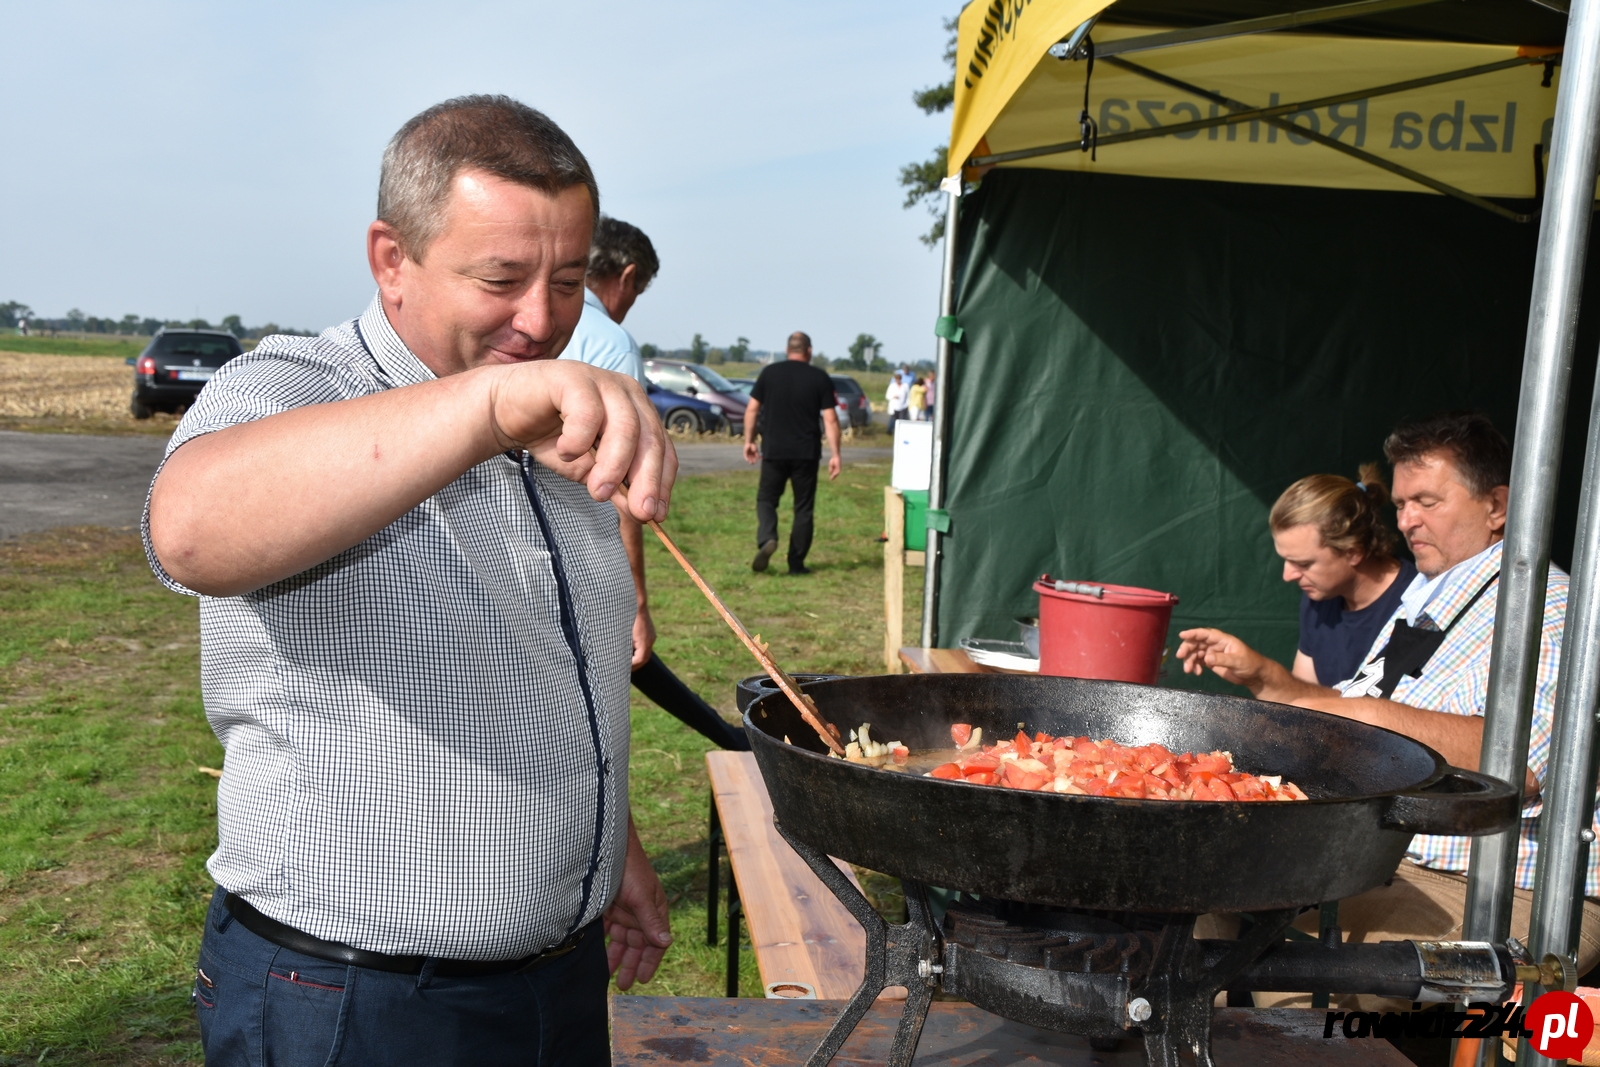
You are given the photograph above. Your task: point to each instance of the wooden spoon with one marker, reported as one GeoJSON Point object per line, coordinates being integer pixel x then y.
{"type": "Point", "coordinates": [791, 689]}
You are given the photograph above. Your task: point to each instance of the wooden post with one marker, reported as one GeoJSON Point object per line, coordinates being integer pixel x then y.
{"type": "Point", "coordinates": [894, 573]}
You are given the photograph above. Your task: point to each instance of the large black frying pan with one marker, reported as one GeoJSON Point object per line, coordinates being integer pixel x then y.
{"type": "Point", "coordinates": [1371, 789]}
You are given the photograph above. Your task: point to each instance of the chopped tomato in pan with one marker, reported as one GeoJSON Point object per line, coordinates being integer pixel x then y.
{"type": "Point", "coordinates": [1105, 768]}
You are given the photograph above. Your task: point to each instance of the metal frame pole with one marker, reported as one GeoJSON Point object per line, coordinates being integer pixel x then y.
{"type": "Point", "coordinates": [1541, 411]}
{"type": "Point", "coordinates": [1569, 783]}
{"type": "Point", "coordinates": [941, 418]}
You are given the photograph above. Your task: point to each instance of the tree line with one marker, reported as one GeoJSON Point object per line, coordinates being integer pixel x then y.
{"type": "Point", "coordinates": [864, 354]}
{"type": "Point", "coordinates": [14, 314]}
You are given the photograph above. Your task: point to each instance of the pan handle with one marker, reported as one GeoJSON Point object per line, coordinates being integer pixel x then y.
{"type": "Point", "coordinates": [1462, 803]}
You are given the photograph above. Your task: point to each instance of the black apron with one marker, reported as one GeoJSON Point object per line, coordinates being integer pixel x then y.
{"type": "Point", "coordinates": [1410, 647]}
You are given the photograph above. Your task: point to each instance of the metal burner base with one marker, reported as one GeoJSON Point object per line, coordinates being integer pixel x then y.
{"type": "Point", "coordinates": [1102, 984]}
{"type": "Point", "coordinates": [906, 955]}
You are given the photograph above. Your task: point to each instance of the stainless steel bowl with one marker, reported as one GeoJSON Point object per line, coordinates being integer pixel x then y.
{"type": "Point", "coordinates": [1029, 627]}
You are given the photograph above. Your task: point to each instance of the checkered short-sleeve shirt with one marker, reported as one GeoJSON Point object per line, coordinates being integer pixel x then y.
{"type": "Point", "coordinates": [426, 735]}
{"type": "Point", "coordinates": [1456, 680]}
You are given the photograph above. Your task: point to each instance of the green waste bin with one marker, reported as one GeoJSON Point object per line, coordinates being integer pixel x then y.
{"type": "Point", "coordinates": [916, 519]}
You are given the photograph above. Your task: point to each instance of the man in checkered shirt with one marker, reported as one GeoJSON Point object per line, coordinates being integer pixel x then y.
{"type": "Point", "coordinates": [415, 635]}
{"type": "Point", "coordinates": [1427, 674]}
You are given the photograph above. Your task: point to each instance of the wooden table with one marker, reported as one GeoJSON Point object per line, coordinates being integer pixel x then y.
{"type": "Point", "coordinates": [714, 1032]}
{"type": "Point", "coordinates": [803, 938]}
{"type": "Point", "coordinates": [941, 661]}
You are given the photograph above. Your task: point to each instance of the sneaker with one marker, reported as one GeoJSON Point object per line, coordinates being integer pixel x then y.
{"type": "Point", "coordinates": [763, 554]}
{"type": "Point", "coordinates": [801, 569]}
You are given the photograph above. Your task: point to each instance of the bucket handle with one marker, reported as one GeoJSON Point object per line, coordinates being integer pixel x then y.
{"type": "Point", "coordinates": [1082, 588]}
{"type": "Point", "coordinates": [1097, 591]}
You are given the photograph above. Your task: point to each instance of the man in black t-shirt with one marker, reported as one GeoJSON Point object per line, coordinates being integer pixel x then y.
{"type": "Point", "coordinates": [789, 396]}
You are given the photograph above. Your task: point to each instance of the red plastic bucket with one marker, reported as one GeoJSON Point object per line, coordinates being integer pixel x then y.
{"type": "Point", "coordinates": [1093, 630]}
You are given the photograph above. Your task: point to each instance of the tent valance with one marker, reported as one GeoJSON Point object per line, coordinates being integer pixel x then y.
{"type": "Point", "coordinates": [1463, 115]}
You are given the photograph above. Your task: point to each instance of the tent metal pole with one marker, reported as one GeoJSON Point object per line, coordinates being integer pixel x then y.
{"type": "Point", "coordinates": [1565, 825]}
{"type": "Point", "coordinates": [941, 418]}
{"type": "Point", "coordinates": [1569, 782]}
{"type": "Point", "coordinates": [1535, 463]}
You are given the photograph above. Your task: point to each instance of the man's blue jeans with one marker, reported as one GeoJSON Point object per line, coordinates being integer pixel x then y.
{"type": "Point", "coordinates": [265, 1006]}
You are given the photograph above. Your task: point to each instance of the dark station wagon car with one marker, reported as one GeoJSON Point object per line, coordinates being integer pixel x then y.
{"type": "Point", "coordinates": [857, 411]}
{"type": "Point", "coordinates": [175, 366]}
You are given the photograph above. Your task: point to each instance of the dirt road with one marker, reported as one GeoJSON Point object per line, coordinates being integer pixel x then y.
{"type": "Point", "coordinates": [57, 479]}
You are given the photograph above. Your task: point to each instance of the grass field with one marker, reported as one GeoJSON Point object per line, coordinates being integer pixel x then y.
{"type": "Point", "coordinates": [106, 821]}
{"type": "Point", "coordinates": [70, 394]}
{"type": "Point", "coordinates": [73, 346]}
{"type": "Point", "coordinates": [61, 385]}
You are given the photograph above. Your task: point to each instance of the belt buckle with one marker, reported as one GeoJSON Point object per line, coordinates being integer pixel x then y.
{"type": "Point", "coordinates": [555, 951]}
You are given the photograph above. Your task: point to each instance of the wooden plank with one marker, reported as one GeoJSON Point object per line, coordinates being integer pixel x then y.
{"type": "Point", "coordinates": [915, 558]}
{"type": "Point", "coordinates": [894, 574]}
{"type": "Point", "coordinates": [945, 661]}
{"type": "Point", "coordinates": [917, 660]}
{"type": "Point", "coordinates": [798, 929]}
{"type": "Point", "coordinates": [715, 1032]}
{"type": "Point", "coordinates": [953, 661]}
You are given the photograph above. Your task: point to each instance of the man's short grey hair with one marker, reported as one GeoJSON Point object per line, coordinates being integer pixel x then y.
{"type": "Point", "coordinates": [497, 134]}
{"type": "Point", "coordinates": [615, 245]}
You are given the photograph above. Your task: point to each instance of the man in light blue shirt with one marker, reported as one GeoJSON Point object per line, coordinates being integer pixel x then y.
{"type": "Point", "coordinates": [601, 341]}
{"type": "Point", "coordinates": [622, 264]}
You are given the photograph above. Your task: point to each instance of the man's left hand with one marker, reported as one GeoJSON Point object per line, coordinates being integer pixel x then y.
{"type": "Point", "coordinates": [833, 466]}
{"type": "Point", "coordinates": [1234, 661]}
{"type": "Point", "coordinates": [644, 637]}
{"type": "Point", "coordinates": [637, 924]}
{"type": "Point", "coordinates": [1228, 657]}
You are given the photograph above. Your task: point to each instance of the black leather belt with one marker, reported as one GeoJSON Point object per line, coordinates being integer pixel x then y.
{"type": "Point", "coordinates": [305, 944]}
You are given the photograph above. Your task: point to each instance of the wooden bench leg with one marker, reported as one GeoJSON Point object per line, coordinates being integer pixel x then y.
{"type": "Point", "coordinates": [713, 871]}
{"type": "Point", "coordinates": [733, 937]}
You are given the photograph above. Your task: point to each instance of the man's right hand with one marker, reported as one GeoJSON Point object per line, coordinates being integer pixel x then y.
{"type": "Point", "coordinates": [588, 426]}
{"type": "Point", "coordinates": [250, 505]}
{"type": "Point", "coordinates": [752, 452]}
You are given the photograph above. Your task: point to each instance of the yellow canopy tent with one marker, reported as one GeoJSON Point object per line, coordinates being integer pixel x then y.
{"type": "Point", "coordinates": [1193, 271]}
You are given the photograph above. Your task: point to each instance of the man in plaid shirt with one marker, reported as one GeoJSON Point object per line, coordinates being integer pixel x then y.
{"type": "Point", "coordinates": [1427, 674]}
{"type": "Point", "coordinates": [415, 633]}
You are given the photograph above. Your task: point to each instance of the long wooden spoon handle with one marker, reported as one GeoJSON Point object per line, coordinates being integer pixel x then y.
{"type": "Point", "coordinates": [791, 688]}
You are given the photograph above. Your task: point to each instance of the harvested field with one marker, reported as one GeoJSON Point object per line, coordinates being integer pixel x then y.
{"type": "Point", "coordinates": [82, 394]}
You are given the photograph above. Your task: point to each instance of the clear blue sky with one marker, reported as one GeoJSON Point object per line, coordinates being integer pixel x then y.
{"type": "Point", "coordinates": [187, 159]}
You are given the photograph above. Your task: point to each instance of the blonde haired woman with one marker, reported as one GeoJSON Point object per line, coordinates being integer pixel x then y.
{"type": "Point", "coordinates": [1339, 551]}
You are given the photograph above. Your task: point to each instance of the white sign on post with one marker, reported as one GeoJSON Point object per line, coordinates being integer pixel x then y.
{"type": "Point", "coordinates": [913, 454]}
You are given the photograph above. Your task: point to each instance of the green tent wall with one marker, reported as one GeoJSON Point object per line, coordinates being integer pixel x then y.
{"type": "Point", "coordinates": [1148, 363]}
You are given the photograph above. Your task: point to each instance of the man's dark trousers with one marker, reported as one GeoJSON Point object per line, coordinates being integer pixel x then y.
{"type": "Point", "coordinates": [802, 475]}
{"type": "Point", "coordinates": [264, 1005]}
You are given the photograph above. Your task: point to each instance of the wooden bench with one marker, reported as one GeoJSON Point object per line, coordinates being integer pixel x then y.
{"type": "Point", "coordinates": [807, 945]}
